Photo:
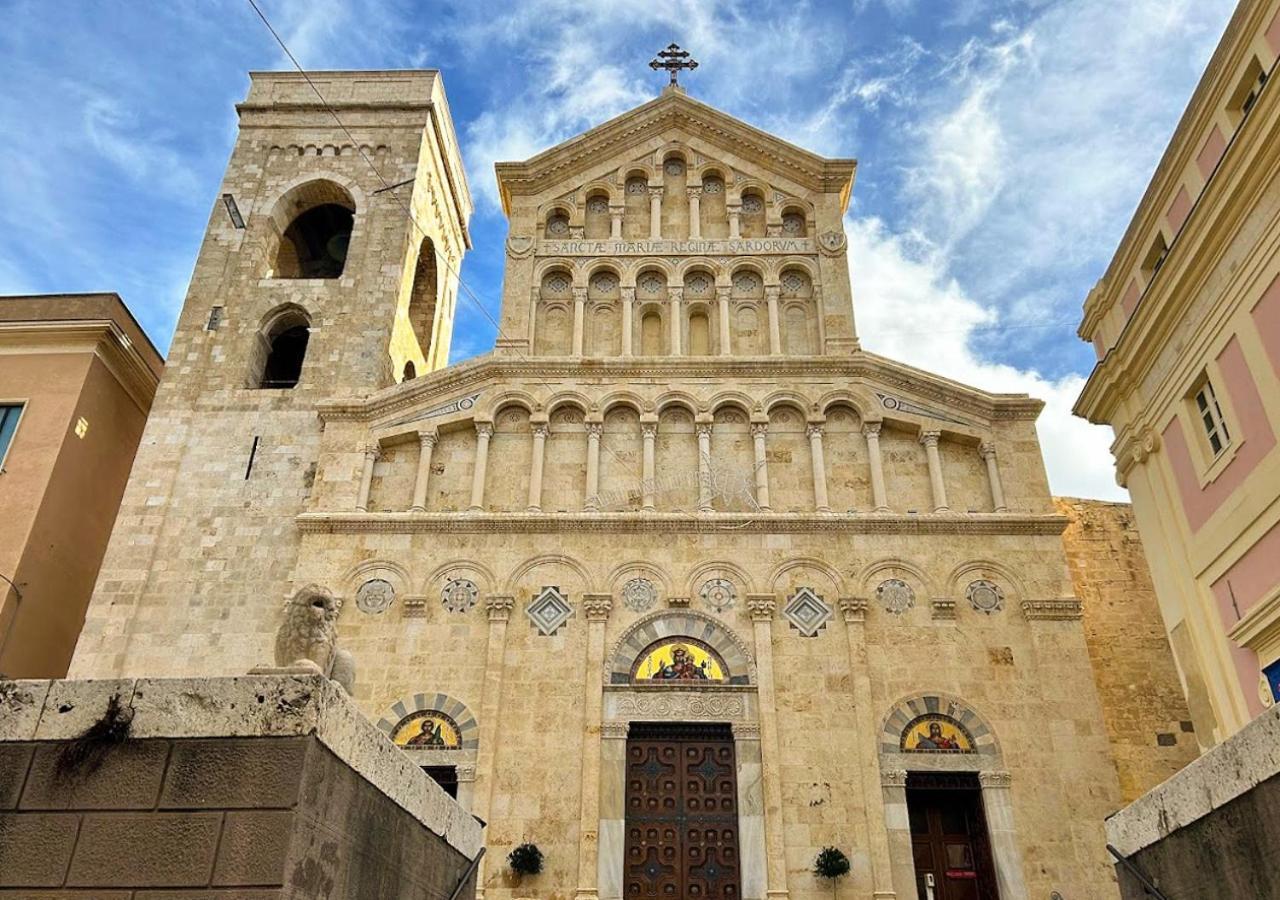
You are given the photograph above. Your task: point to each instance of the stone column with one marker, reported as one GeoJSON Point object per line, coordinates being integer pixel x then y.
{"type": "Point", "coordinates": [499, 609]}
{"type": "Point", "coordinates": [628, 302]}
{"type": "Point", "coordinates": [596, 607]}
{"type": "Point", "coordinates": [426, 446]}
{"type": "Point", "coordinates": [893, 798]}
{"type": "Point", "coordinates": [371, 454]}
{"type": "Point", "coordinates": [695, 221]}
{"type": "Point", "coordinates": [814, 430]}
{"type": "Point", "coordinates": [871, 431]}
{"type": "Point", "coordinates": [771, 293]}
{"type": "Point", "coordinates": [751, 847]}
{"type": "Point", "coordinates": [579, 318]}
{"type": "Point", "coordinates": [655, 213]}
{"type": "Point", "coordinates": [592, 501]}
{"type": "Point", "coordinates": [648, 432]}
{"type": "Point", "coordinates": [613, 812]}
{"type": "Point", "coordinates": [930, 441]}
{"type": "Point", "coordinates": [722, 300]}
{"type": "Point", "coordinates": [540, 431]}
{"type": "Point", "coordinates": [615, 220]}
{"type": "Point", "coordinates": [998, 806]}
{"type": "Point", "coordinates": [735, 220]}
{"type": "Point", "coordinates": [758, 432]}
{"type": "Point", "coordinates": [484, 431]}
{"type": "Point", "coordinates": [987, 451]}
{"type": "Point", "coordinates": [880, 876]}
{"type": "Point", "coordinates": [676, 295]}
{"type": "Point", "coordinates": [704, 466]}
{"type": "Point", "coordinates": [533, 315]}
{"type": "Point", "coordinates": [761, 608]}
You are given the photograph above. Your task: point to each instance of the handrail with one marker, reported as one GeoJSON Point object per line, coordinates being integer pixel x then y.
{"type": "Point", "coordinates": [1133, 870]}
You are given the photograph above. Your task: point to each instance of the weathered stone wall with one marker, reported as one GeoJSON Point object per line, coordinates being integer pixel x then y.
{"type": "Point", "coordinates": [266, 816]}
{"type": "Point", "coordinates": [1142, 699]}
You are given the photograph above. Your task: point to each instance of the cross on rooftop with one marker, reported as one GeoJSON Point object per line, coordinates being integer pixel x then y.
{"type": "Point", "coordinates": [673, 59]}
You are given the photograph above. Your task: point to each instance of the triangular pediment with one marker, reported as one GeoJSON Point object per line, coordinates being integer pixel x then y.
{"type": "Point", "coordinates": [674, 111]}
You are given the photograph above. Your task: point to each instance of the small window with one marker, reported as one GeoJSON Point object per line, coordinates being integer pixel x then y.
{"type": "Point", "coordinates": [1155, 256]}
{"type": "Point", "coordinates": [215, 318]}
{"type": "Point", "coordinates": [1246, 94]}
{"type": "Point", "coordinates": [410, 371]}
{"type": "Point", "coordinates": [1210, 413]}
{"type": "Point", "coordinates": [446, 777]}
{"type": "Point", "coordinates": [9, 415]}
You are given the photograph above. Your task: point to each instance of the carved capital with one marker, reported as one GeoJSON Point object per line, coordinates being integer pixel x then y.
{"type": "Point", "coordinates": [595, 429]}
{"type": "Point", "coordinates": [813, 429]}
{"type": "Point", "coordinates": [629, 293]}
{"type": "Point", "coordinates": [540, 429]}
{"type": "Point", "coordinates": [648, 430]}
{"type": "Point", "coordinates": [466, 773]}
{"type": "Point", "coordinates": [990, 780]}
{"type": "Point", "coordinates": [372, 452]}
{"type": "Point", "coordinates": [761, 608]}
{"type": "Point", "coordinates": [987, 450]}
{"type": "Point", "coordinates": [617, 209]}
{"type": "Point", "coordinates": [579, 295]}
{"type": "Point", "coordinates": [871, 430]}
{"type": "Point", "coordinates": [499, 608]}
{"type": "Point", "coordinates": [723, 292]}
{"type": "Point", "coordinates": [759, 429]}
{"type": "Point", "coordinates": [746, 731]}
{"type": "Point", "coordinates": [895, 778]}
{"type": "Point", "coordinates": [854, 609]}
{"type": "Point", "coordinates": [734, 207]}
{"type": "Point", "coordinates": [428, 439]}
{"type": "Point", "coordinates": [693, 192]}
{"type": "Point", "coordinates": [930, 438]}
{"type": "Point", "coordinates": [703, 429]}
{"type": "Point", "coordinates": [484, 430]}
{"type": "Point", "coordinates": [675, 293]}
{"type": "Point", "coordinates": [772, 292]}
{"type": "Point", "coordinates": [596, 607]}
{"type": "Point", "coordinates": [615, 731]}
{"type": "Point", "coordinates": [655, 190]}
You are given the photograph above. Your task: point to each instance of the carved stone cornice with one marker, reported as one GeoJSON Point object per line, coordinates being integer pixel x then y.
{"type": "Point", "coordinates": [499, 607]}
{"type": "Point", "coordinates": [1053, 610]}
{"type": "Point", "coordinates": [622, 522]}
{"type": "Point", "coordinates": [434, 388]}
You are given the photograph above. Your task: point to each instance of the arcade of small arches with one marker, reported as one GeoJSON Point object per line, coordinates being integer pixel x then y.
{"type": "Point", "coordinates": [655, 309]}
{"type": "Point", "coordinates": [728, 455]}
{"type": "Point", "coordinates": [676, 196]}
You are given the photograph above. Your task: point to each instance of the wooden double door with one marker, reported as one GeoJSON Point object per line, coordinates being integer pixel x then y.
{"type": "Point", "coordinates": [949, 843]}
{"type": "Point", "coordinates": [681, 813]}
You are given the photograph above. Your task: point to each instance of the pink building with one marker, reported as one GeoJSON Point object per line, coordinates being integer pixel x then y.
{"type": "Point", "coordinates": [1186, 325]}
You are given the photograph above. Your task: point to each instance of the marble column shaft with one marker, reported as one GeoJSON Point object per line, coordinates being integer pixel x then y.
{"type": "Point", "coordinates": [762, 609]}
{"type": "Point", "coordinates": [735, 220]}
{"type": "Point", "coordinates": [426, 447]}
{"type": "Point", "coordinates": [594, 431]}
{"type": "Point", "coordinates": [648, 433]}
{"type": "Point", "coordinates": [695, 212]}
{"type": "Point", "coordinates": [988, 452]}
{"type": "Point", "coordinates": [615, 221]}
{"type": "Point", "coordinates": [484, 431]}
{"type": "Point", "coordinates": [722, 301]}
{"type": "Point", "coordinates": [820, 503]}
{"type": "Point", "coordinates": [871, 431]}
{"type": "Point", "coordinates": [499, 609]}
{"type": "Point", "coordinates": [628, 304]}
{"type": "Point", "coordinates": [930, 441]}
{"type": "Point", "coordinates": [596, 608]}
{"type": "Point", "coordinates": [579, 319]}
{"type": "Point", "coordinates": [371, 454]}
{"type": "Point", "coordinates": [540, 431]}
{"type": "Point", "coordinates": [759, 431]}
{"type": "Point", "coordinates": [771, 293]}
{"type": "Point", "coordinates": [704, 466]}
{"type": "Point", "coordinates": [655, 213]}
{"type": "Point", "coordinates": [676, 295]}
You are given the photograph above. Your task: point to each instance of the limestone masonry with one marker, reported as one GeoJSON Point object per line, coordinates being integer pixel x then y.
{"type": "Point", "coordinates": [678, 521]}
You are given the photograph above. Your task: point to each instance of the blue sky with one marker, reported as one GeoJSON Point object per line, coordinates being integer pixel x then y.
{"type": "Point", "coordinates": [1002, 144]}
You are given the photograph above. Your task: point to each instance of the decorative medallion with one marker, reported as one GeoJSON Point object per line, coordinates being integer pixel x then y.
{"type": "Point", "coordinates": [375, 596]}
{"type": "Point", "coordinates": [556, 284]}
{"type": "Point", "coordinates": [604, 282]}
{"type": "Point", "coordinates": [597, 205]}
{"type": "Point", "coordinates": [718, 593]}
{"type": "Point", "coordinates": [746, 282]}
{"type": "Point", "coordinates": [832, 243]}
{"type": "Point", "coordinates": [459, 595]}
{"type": "Point", "coordinates": [698, 284]}
{"type": "Point", "coordinates": [549, 610]}
{"type": "Point", "coordinates": [896, 596]}
{"type": "Point", "coordinates": [558, 225]}
{"type": "Point", "coordinates": [637, 186]}
{"type": "Point", "coordinates": [651, 283]}
{"type": "Point", "coordinates": [639, 594]}
{"type": "Point", "coordinates": [793, 223]}
{"type": "Point", "coordinates": [807, 612]}
{"type": "Point", "coordinates": [519, 245]}
{"type": "Point", "coordinates": [985, 596]}
{"type": "Point", "coordinates": [712, 185]}
{"type": "Point", "coordinates": [674, 167]}
{"type": "Point", "coordinates": [793, 282]}
{"type": "Point", "coordinates": [752, 204]}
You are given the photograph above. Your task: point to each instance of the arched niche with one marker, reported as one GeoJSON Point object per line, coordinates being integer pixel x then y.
{"type": "Point", "coordinates": [651, 630]}
{"type": "Point", "coordinates": [280, 348]}
{"type": "Point", "coordinates": [422, 299]}
{"type": "Point", "coordinates": [313, 223]}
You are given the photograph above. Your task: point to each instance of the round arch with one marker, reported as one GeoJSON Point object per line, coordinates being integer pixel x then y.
{"type": "Point", "coordinates": [404, 710]}
{"type": "Point", "coordinates": [740, 664]}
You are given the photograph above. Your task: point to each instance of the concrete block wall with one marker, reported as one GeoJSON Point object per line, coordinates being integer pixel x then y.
{"type": "Point", "coordinates": [255, 813]}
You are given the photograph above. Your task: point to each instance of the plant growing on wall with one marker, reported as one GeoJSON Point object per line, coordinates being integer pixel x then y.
{"type": "Point", "coordinates": [525, 859]}
{"type": "Point", "coordinates": [831, 863]}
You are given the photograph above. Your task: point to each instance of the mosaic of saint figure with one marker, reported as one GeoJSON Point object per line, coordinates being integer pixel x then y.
{"type": "Point", "coordinates": [936, 740]}
{"type": "Point", "coordinates": [681, 667]}
{"type": "Point", "coordinates": [431, 735]}
{"type": "Point", "coordinates": [936, 733]}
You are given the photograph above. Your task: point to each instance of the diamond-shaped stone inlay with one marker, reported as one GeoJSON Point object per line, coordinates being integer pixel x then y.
{"type": "Point", "coordinates": [549, 610]}
{"type": "Point", "coordinates": [896, 596]}
{"type": "Point", "coordinates": [985, 596]}
{"type": "Point", "coordinates": [807, 612]}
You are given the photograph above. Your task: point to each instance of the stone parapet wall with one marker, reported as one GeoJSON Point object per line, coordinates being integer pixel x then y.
{"type": "Point", "coordinates": [265, 787]}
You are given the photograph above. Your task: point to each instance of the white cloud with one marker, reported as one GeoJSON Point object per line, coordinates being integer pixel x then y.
{"type": "Point", "coordinates": [909, 309]}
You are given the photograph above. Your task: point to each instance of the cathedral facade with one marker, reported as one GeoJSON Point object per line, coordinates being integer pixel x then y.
{"type": "Point", "coordinates": [678, 583]}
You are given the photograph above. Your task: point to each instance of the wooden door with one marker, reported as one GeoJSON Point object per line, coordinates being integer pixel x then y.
{"type": "Point", "coordinates": [681, 813]}
{"type": "Point", "coordinates": [949, 838]}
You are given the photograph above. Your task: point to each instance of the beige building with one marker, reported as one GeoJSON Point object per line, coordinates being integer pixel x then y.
{"type": "Point", "coordinates": [1186, 323]}
{"type": "Point", "coordinates": [678, 582]}
{"type": "Point", "coordinates": [77, 376]}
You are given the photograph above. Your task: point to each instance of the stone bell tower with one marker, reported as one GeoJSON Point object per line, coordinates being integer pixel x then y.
{"type": "Point", "coordinates": [328, 269]}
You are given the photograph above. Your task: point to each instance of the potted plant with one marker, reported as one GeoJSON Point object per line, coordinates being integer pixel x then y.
{"type": "Point", "coordinates": [831, 863]}
{"type": "Point", "coordinates": [525, 859]}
